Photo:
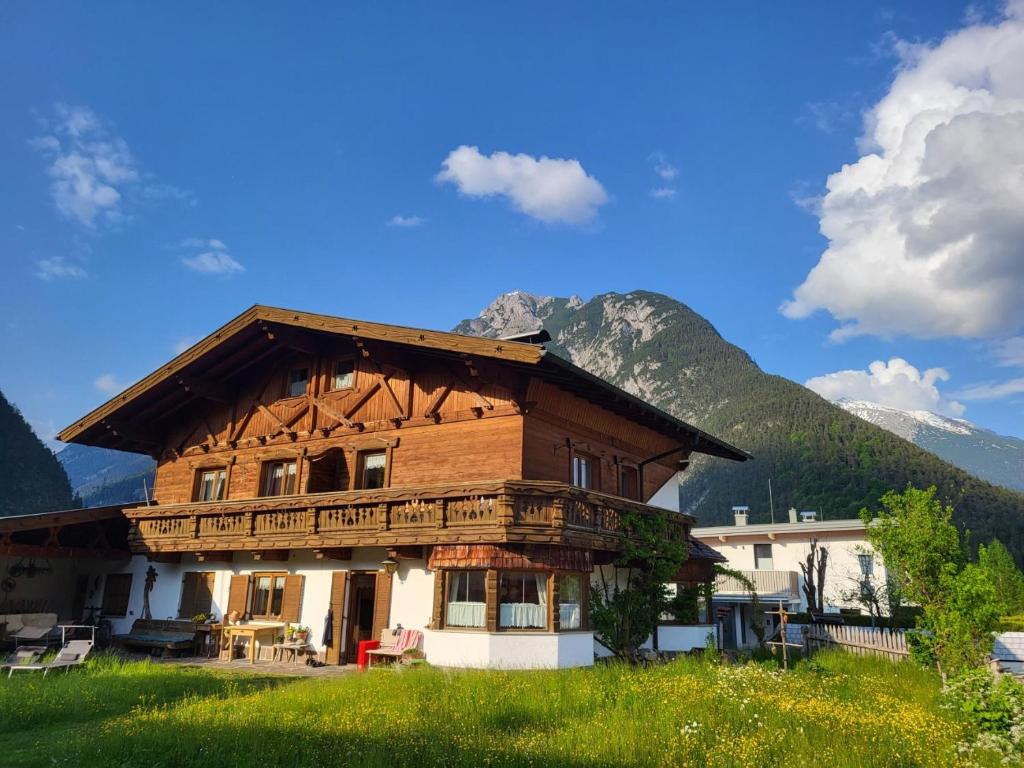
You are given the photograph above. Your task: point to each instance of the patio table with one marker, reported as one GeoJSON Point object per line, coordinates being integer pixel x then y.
{"type": "Point", "coordinates": [254, 630]}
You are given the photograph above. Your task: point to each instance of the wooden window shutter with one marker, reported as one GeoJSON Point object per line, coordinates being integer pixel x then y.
{"type": "Point", "coordinates": [381, 604]}
{"type": "Point", "coordinates": [204, 592]}
{"type": "Point", "coordinates": [189, 588]}
{"type": "Point", "coordinates": [291, 600]}
{"type": "Point", "coordinates": [491, 596]}
{"type": "Point", "coordinates": [437, 614]}
{"type": "Point", "coordinates": [338, 579]}
{"type": "Point", "coordinates": [238, 595]}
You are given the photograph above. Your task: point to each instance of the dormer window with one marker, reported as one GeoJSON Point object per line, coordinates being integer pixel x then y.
{"type": "Point", "coordinates": [298, 380]}
{"type": "Point", "coordinates": [343, 374]}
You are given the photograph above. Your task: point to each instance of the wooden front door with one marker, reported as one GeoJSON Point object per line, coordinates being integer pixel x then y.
{"type": "Point", "coordinates": [361, 603]}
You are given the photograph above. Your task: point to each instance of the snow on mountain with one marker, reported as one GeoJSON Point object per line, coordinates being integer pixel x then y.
{"type": "Point", "coordinates": [993, 457]}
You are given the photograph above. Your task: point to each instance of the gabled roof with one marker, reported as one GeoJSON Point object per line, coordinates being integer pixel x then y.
{"type": "Point", "coordinates": [244, 341]}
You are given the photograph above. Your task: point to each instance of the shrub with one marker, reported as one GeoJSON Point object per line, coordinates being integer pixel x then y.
{"type": "Point", "coordinates": [993, 706]}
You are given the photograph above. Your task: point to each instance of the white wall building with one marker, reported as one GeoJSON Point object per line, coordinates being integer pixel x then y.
{"type": "Point", "coordinates": [770, 554]}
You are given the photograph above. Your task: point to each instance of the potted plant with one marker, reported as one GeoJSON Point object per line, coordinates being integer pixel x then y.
{"type": "Point", "coordinates": [301, 634]}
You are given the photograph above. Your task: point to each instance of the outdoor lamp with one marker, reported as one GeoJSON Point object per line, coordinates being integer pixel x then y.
{"type": "Point", "coordinates": [390, 565]}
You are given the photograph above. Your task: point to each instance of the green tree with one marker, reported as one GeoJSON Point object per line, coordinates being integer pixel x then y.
{"type": "Point", "coordinates": [1005, 576]}
{"type": "Point", "coordinates": [627, 604]}
{"type": "Point", "coordinates": [922, 551]}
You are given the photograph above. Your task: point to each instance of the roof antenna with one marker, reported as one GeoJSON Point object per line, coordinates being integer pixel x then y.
{"type": "Point", "coordinates": [771, 501]}
{"type": "Point", "coordinates": [145, 490]}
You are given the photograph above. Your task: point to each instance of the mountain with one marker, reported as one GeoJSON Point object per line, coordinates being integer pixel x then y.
{"type": "Point", "coordinates": [101, 476]}
{"type": "Point", "coordinates": [817, 455]}
{"type": "Point", "coordinates": [32, 478]}
{"type": "Point", "coordinates": [993, 457]}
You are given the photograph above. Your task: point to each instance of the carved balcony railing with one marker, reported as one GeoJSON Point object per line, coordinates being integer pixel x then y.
{"type": "Point", "coordinates": [499, 511]}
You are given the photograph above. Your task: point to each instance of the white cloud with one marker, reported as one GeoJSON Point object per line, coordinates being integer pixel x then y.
{"type": "Point", "coordinates": [57, 268]}
{"type": "Point", "coordinates": [107, 384]}
{"type": "Point", "coordinates": [925, 230]}
{"type": "Point", "coordinates": [1010, 352]}
{"type": "Point", "coordinates": [89, 166]}
{"type": "Point", "coordinates": [993, 390]}
{"type": "Point", "coordinates": [897, 384]}
{"type": "Point", "coordinates": [213, 257]}
{"type": "Point", "coordinates": [549, 189]}
{"type": "Point", "coordinates": [826, 116]}
{"type": "Point", "coordinates": [406, 221]}
{"type": "Point", "coordinates": [666, 173]}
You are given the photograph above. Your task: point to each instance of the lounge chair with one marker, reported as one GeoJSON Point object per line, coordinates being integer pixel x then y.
{"type": "Point", "coordinates": [71, 655]}
{"type": "Point", "coordinates": [407, 639]}
{"type": "Point", "coordinates": [26, 654]}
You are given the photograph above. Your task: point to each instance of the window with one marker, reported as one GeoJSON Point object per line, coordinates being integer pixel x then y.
{"type": "Point", "coordinates": [278, 478]}
{"type": "Point", "coordinates": [267, 594]}
{"type": "Point", "coordinates": [343, 374]}
{"type": "Point", "coordinates": [117, 588]}
{"type": "Point", "coordinates": [467, 602]}
{"type": "Point", "coordinates": [523, 600]}
{"type": "Point", "coordinates": [211, 484]}
{"type": "Point", "coordinates": [629, 482]}
{"type": "Point", "coordinates": [371, 469]}
{"type": "Point", "coordinates": [583, 471]}
{"type": "Point", "coordinates": [570, 601]}
{"type": "Point", "coordinates": [867, 564]}
{"type": "Point", "coordinates": [763, 557]}
{"type": "Point", "coordinates": [298, 379]}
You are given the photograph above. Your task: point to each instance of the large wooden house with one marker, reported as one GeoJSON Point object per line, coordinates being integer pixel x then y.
{"type": "Point", "coordinates": [313, 466]}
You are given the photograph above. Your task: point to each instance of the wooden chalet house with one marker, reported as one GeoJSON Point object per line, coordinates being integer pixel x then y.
{"type": "Point", "coordinates": [469, 487]}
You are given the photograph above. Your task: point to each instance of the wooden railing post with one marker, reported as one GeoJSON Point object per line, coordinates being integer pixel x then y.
{"type": "Point", "coordinates": [250, 523]}
{"type": "Point", "coordinates": [557, 512]}
{"type": "Point", "coordinates": [442, 513]}
{"type": "Point", "coordinates": [195, 526]}
{"type": "Point", "coordinates": [312, 521]}
{"type": "Point", "coordinates": [505, 512]}
{"type": "Point", "coordinates": [383, 517]}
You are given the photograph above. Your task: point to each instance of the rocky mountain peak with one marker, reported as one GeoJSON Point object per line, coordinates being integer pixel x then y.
{"type": "Point", "coordinates": [516, 312]}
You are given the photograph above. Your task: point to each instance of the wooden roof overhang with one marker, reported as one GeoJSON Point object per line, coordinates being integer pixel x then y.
{"type": "Point", "coordinates": [511, 557]}
{"type": "Point", "coordinates": [96, 532]}
{"type": "Point", "coordinates": [519, 512]}
{"type": "Point", "coordinates": [210, 370]}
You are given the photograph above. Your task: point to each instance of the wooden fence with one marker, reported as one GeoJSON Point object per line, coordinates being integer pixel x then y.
{"type": "Point", "coordinates": [876, 641]}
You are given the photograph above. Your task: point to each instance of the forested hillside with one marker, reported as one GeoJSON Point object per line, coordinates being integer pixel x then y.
{"type": "Point", "coordinates": [817, 455]}
{"type": "Point", "coordinates": [31, 478]}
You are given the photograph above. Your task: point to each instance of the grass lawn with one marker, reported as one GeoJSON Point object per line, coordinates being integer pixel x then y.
{"type": "Point", "coordinates": [840, 710]}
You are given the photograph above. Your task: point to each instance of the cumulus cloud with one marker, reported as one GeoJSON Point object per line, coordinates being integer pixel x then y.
{"type": "Point", "coordinates": [897, 384]}
{"type": "Point", "coordinates": [108, 384]}
{"type": "Point", "coordinates": [212, 257]}
{"type": "Point", "coordinates": [89, 166]}
{"type": "Point", "coordinates": [92, 170]}
{"type": "Point", "coordinates": [58, 268]}
{"type": "Point", "coordinates": [550, 189]}
{"type": "Point", "coordinates": [925, 229]}
{"type": "Point", "coordinates": [406, 222]}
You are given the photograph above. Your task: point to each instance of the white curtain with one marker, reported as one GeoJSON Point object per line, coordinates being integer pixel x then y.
{"type": "Point", "coordinates": [466, 614]}
{"type": "Point", "coordinates": [528, 615]}
{"type": "Point", "coordinates": [569, 616]}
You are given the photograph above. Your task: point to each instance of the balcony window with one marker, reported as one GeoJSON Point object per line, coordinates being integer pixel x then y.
{"type": "Point", "coordinates": [298, 380]}
{"type": "Point", "coordinates": [278, 478]}
{"type": "Point", "coordinates": [629, 482]}
{"type": "Point", "coordinates": [467, 599]}
{"type": "Point", "coordinates": [267, 595]}
{"type": "Point", "coordinates": [570, 601]}
{"type": "Point", "coordinates": [211, 484]}
{"type": "Point", "coordinates": [371, 469]}
{"type": "Point", "coordinates": [583, 467]}
{"type": "Point", "coordinates": [523, 600]}
{"type": "Point", "coordinates": [343, 374]}
{"type": "Point", "coordinates": [763, 557]}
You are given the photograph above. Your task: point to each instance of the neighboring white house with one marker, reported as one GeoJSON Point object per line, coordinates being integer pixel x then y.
{"type": "Point", "coordinates": [770, 555]}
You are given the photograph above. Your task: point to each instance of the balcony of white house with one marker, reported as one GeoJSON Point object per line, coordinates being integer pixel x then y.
{"type": "Point", "coordinates": [770, 586]}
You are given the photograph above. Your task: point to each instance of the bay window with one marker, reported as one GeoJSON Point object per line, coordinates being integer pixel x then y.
{"type": "Point", "coordinates": [523, 600]}
{"type": "Point", "coordinates": [570, 601]}
{"type": "Point", "coordinates": [467, 599]}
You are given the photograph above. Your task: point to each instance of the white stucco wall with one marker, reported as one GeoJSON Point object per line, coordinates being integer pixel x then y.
{"type": "Point", "coordinates": [509, 650]}
{"type": "Point", "coordinates": [791, 547]}
{"type": "Point", "coordinates": [667, 497]}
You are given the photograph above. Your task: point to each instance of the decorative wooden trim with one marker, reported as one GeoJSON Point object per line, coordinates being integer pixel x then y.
{"type": "Point", "coordinates": [333, 553]}
{"type": "Point", "coordinates": [491, 597]}
{"type": "Point", "coordinates": [271, 555]}
{"type": "Point", "coordinates": [440, 590]}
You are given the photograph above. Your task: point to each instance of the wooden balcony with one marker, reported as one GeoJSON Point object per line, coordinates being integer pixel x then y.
{"type": "Point", "coordinates": [510, 511]}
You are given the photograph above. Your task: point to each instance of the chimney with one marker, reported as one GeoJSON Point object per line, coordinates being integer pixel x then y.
{"type": "Point", "coordinates": [740, 515]}
{"type": "Point", "coordinates": [792, 514]}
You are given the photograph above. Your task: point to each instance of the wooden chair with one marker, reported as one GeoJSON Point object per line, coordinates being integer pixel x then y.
{"type": "Point", "coordinates": [393, 648]}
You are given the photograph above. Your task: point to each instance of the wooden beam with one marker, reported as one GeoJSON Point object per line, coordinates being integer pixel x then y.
{"type": "Point", "coordinates": [70, 553]}
{"type": "Point", "coordinates": [290, 338]}
{"type": "Point", "coordinates": [406, 553]}
{"type": "Point", "coordinates": [333, 553]}
{"type": "Point", "coordinates": [131, 433]}
{"type": "Point", "coordinates": [214, 557]}
{"type": "Point", "coordinates": [208, 390]}
{"type": "Point", "coordinates": [276, 555]}
{"type": "Point", "coordinates": [282, 427]}
{"type": "Point", "coordinates": [438, 400]}
{"type": "Point", "coordinates": [164, 557]}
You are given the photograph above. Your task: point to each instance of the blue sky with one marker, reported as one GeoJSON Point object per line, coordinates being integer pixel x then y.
{"type": "Point", "coordinates": [166, 167]}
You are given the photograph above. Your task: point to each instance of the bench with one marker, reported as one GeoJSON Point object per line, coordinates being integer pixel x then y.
{"type": "Point", "coordinates": [394, 646]}
{"type": "Point", "coordinates": [160, 635]}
